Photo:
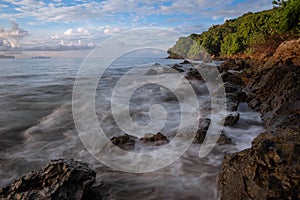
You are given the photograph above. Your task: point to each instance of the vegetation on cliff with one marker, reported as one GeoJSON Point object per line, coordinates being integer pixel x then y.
{"type": "Point", "coordinates": [250, 33]}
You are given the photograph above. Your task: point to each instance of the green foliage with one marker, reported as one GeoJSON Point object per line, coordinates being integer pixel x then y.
{"type": "Point", "coordinates": [238, 35]}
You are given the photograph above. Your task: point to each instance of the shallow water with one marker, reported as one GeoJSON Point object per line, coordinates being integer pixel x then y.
{"type": "Point", "coordinates": [37, 125]}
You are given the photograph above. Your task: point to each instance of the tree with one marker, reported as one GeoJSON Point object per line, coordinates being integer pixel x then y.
{"type": "Point", "coordinates": [279, 3]}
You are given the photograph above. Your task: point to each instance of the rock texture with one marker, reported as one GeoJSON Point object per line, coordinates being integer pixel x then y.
{"type": "Point", "coordinates": [60, 179]}
{"type": "Point", "coordinates": [270, 169]}
{"type": "Point", "coordinates": [201, 133]}
{"type": "Point", "coordinates": [157, 139]}
{"type": "Point", "coordinates": [127, 142]}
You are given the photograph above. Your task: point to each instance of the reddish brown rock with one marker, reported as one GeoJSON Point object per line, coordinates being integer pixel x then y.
{"type": "Point", "coordinates": [157, 139]}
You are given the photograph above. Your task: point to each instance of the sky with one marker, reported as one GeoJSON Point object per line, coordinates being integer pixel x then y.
{"type": "Point", "coordinates": [67, 28]}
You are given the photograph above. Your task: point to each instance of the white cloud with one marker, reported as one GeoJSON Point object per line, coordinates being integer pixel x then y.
{"type": "Point", "coordinates": [55, 37]}
{"type": "Point", "coordinates": [10, 38]}
{"type": "Point", "coordinates": [76, 32]}
{"type": "Point", "coordinates": [111, 31]}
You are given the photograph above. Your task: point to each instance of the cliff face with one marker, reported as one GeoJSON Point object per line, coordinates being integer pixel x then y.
{"type": "Point", "coordinates": [270, 169]}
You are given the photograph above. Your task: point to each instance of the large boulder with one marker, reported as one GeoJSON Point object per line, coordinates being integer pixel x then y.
{"type": "Point", "coordinates": [287, 53]}
{"type": "Point", "coordinates": [60, 179]}
{"type": "Point", "coordinates": [275, 93]}
{"type": "Point", "coordinates": [269, 170]}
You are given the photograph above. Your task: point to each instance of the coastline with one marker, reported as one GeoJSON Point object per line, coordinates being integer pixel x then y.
{"type": "Point", "coordinates": [260, 172]}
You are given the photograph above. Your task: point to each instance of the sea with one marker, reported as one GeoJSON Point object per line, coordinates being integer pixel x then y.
{"type": "Point", "coordinates": [37, 125]}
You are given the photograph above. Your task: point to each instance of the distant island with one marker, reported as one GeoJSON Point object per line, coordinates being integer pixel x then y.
{"type": "Point", "coordinates": [40, 57]}
{"type": "Point", "coordinates": [4, 56]}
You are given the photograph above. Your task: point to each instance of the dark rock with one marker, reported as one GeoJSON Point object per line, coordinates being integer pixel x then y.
{"type": "Point", "coordinates": [234, 64]}
{"type": "Point", "coordinates": [201, 133]}
{"type": "Point", "coordinates": [232, 119]}
{"type": "Point", "coordinates": [60, 179]}
{"type": "Point", "coordinates": [193, 74]}
{"type": "Point", "coordinates": [231, 78]}
{"type": "Point", "coordinates": [223, 139]}
{"type": "Point", "coordinates": [269, 170]}
{"type": "Point", "coordinates": [178, 68]}
{"type": "Point", "coordinates": [275, 92]}
{"type": "Point", "coordinates": [202, 129]}
{"type": "Point", "coordinates": [185, 62]}
{"type": "Point", "coordinates": [157, 139]}
{"type": "Point", "coordinates": [125, 142]}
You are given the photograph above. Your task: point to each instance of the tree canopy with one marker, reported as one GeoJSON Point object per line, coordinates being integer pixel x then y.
{"type": "Point", "coordinates": [241, 35]}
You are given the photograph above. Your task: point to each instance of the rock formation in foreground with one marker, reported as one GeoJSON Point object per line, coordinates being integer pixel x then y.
{"type": "Point", "coordinates": [270, 169]}
{"type": "Point", "coordinates": [60, 179]}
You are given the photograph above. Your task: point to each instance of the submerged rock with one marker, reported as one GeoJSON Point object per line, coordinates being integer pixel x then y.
{"type": "Point", "coordinates": [178, 68]}
{"type": "Point", "coordinates": [193, 74]}
{"type": "Point", "coordinates": [232, 119]}
{"type": "Point", "coordinates": [201, 133]}
{"type": "Point", "coordinates": [157, 139]}
{"type": "Point", "coordinates": [60, 179]}
{"type": "Point", "coordinates": [125, 142]}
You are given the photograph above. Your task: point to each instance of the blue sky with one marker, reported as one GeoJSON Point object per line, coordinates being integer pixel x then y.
{"type": "Point", "coordinates": [56, 27]}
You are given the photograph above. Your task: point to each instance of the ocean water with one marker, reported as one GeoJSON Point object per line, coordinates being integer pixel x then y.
{"type": "Point", "coordinates": [36, 125]}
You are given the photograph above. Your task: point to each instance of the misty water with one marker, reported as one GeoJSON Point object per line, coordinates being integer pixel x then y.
{"type": "Point", "coordinates": [36, 125]}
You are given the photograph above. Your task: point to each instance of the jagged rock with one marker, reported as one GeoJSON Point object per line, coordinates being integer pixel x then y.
{"type": "Point", "coordinates": [125, 142]}
{"type": "Point", "coordinates": [157, 139]}
{"type": "Point", "coordinates": [60, 179]}
{"type": "Point", "coordinates": [177, 68]}
{"type": "Point", "coordinates": [232, 119]}
{"type": "Point", "coordinates": [201, 133]}
{"type": "Point", "coordinates": [231, 78]}
{"type": "Point", "coordinates": [234, 64]}
{"type": "Point", "coordinates": [193, 74]}
{"type": "Point", "coordinates": [276, 93]}
{"type": "Point", "coordinates": [269, 170]}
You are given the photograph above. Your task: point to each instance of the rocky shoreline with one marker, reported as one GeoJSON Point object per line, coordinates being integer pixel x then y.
{"type": "Point", "coordinates": [270, 169]}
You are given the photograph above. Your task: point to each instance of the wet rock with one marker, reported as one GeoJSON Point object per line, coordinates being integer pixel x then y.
{"type": "Point", "coordinates": [177, 68]}
{"type": "Point", "coordinates": [193, 74]}
{"type": "Point", "coordinates": [232, 119]}
{"type": "Point", "coordinates": [125, 142]}
{"type": "Point", "coordinates": [201, 133]}
{"type": "Point", "coordinates": [157, 139]}
{"type": "Point", "coordinates": [269, 170]}
{"type": "Point", "coordinates": [60, 179]}
{"type": "Point", "coordinates": [223, 139]}
{"type": "Point", "coordinates": [185, 62]}
{"type": "Point", "coordinates": [202, 129]}
{"type": "Point", "coordinates": [151, 72]}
